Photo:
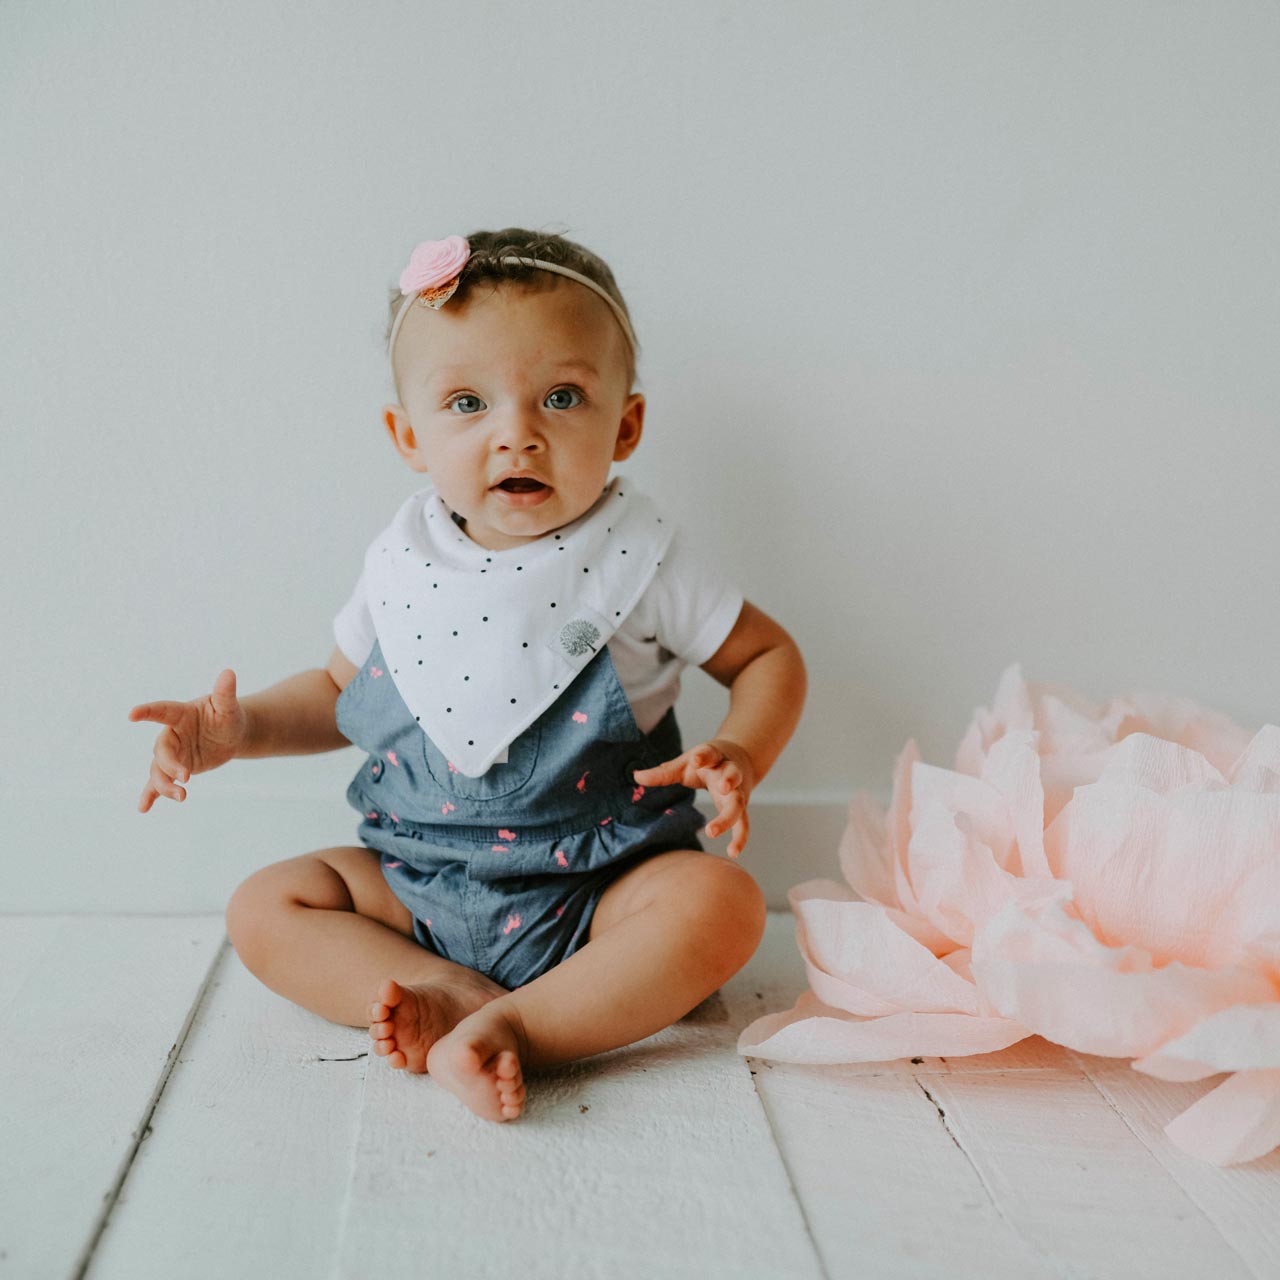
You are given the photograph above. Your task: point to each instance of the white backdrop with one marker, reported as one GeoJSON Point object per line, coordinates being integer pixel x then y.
{"type": "Point", "coordinates": [959, 326]}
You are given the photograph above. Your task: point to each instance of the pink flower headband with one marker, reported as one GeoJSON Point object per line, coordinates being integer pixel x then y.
{"type": "Point", "coordinates": [435, 266]}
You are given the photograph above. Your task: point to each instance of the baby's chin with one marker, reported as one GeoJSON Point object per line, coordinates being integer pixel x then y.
{"type": "Point", "coordinates": [500, 525]}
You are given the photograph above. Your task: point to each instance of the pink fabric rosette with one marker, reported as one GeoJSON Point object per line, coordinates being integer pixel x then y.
{"type": "Point", "coordinates": [434, 265]}
{"type": "Point", "coordinates": [1107, 878]}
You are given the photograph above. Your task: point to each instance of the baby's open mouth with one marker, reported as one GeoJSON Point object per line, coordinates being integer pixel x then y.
{"type": "Point", "coordinates": [516, 484]}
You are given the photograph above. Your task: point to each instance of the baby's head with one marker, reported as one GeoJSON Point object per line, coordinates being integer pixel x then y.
{"type": "Point", "coordinates": [523, 370]}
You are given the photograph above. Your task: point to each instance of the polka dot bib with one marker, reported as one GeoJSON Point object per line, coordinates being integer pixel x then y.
{"type": "Point", "coordinates": [481, 642]}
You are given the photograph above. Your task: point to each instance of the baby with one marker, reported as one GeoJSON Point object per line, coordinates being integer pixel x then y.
{"type": "Point", "coordinates": [529, 887]}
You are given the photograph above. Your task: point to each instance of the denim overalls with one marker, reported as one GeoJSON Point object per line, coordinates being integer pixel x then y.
{"type": "Point", "coordinates": [502, 872]}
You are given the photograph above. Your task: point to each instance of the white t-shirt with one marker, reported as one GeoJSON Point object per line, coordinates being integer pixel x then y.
{"type": "Point", "coordinates": [685, 614]}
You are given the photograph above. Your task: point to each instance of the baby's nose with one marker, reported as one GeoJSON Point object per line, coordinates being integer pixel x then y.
{"type": "Point", "coordinates": [518, 431]}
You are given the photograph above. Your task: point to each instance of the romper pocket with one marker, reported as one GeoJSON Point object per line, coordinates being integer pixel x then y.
{"type": "Point", "coordinates": [498, 780]}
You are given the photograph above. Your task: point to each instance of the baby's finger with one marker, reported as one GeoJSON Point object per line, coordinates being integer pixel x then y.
{"type": "Point", "coordinates": [164, 784]}
{"type": "Point", "coordinates": [164, 712]}
{"type": "Point", "coordinates": [741, 830]}
{"type": "Point", "coordinates": [730, 807]}
{"type": "Point", "coordinates": [171, 754]}
{"type": "Point", "coordinates": [659, 775]}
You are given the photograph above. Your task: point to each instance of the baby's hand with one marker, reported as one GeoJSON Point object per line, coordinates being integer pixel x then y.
{"type": "Point", "coordinates": [201, 735]}
{"type": "Point", "coordinates": [724, 769]}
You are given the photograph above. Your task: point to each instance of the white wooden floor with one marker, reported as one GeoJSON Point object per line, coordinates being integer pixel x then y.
{"type": "Point", "coordinates": [164, 1114]}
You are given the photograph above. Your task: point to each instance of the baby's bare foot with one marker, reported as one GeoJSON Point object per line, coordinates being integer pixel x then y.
{"type": "Point", "coordinates": [479, 1061]}
{"type": "Point", "coordinates": [408, 1018]}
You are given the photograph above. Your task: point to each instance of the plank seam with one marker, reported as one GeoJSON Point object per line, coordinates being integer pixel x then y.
{"type": "Point", "coordinates": [1155, 1155]}
{"type": "Point", "coordinates": [344, 1214]}
{"type": "Point", "coordinates": [144, 1129]}
{"type": "Point", "coordinates": [786, 1168]}
{"type": "Point", "coordinates": [1010, 1225]}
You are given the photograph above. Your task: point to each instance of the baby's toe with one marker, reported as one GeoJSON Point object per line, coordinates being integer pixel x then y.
{"type": "Point", "coordinates": [381, 1030]}
{"type": "Point", "coordinates": [508, 1065]}
{"type": "Point", "coordinates": [390, 994]}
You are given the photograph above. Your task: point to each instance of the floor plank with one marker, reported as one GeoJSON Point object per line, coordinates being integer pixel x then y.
{"type": "Point", "coordinates": [1242, 1201]}
{"type": "Point", "coordinates": [92, 1011]}
{"type": "Point", "coordinates": [653, 1160]}
{"type": "Point", "coordinates": [1067, 1173]}
{"type": "Point", "coordinates": [247, 1167]}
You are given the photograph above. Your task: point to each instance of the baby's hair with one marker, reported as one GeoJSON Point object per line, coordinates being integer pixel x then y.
{"type": "Point", "coordinates": [489, 247]}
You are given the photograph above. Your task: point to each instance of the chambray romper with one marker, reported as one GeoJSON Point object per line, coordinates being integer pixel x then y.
{"type": "Point", "coordinates": [502, 872]}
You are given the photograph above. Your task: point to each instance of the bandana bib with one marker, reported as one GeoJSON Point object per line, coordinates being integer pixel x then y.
{"type": "Point", "coordinates": [481, 642]}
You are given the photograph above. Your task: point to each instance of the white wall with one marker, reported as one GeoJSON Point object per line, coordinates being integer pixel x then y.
{"type": "Point", "coordinates": [959, 328]}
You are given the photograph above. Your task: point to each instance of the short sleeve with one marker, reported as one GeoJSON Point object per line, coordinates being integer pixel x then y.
{"type": "Point", "coordinates": [353, 626]}
{"type": "Point", "coordinates": [691, 603]}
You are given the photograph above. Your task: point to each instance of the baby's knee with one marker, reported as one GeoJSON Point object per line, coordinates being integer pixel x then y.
{"type": "Point", "coordinates": [251, 911]}
{"type": "Point", "coordinates": [733, 910]}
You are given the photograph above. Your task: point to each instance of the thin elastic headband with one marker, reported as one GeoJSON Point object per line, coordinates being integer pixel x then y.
{"type": "Point", "coordinates": [417, 281]}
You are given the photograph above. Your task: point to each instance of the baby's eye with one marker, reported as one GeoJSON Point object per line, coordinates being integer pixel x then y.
{"type": "Point", "coordinates": [564, 391]}
{"type": "Point", "coordinates": [465, 402]}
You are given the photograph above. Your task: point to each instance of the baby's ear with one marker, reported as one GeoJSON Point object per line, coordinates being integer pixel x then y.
{"type": "Point", "coordinates": [396, 420]}
{"type": "Point", "coordinates": [630, 427]}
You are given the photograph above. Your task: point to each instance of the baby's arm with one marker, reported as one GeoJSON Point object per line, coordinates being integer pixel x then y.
{"type": "Point", "coordinates": [297, 716]}
{"type": "Point", "coordinates": [765, 674]}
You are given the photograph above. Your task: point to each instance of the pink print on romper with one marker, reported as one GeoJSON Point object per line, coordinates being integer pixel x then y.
{"type": "Point", "coordinates": [513, 922]}
{"type": "Point", "coordinates": [580, 717]}
{"type": "Point", "coordinates": [561, 859]}
{"type": "Point", "coordinates": [375, 672]}
{"type": "Point", "coordinates": [391, 755]}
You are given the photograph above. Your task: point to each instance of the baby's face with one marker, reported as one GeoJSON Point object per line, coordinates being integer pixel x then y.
{"type": "Point", "coordinates": [515, 380]}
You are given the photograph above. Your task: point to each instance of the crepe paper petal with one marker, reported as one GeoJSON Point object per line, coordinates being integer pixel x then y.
{"type": "Point", "coordinates": [1043, 967]}
{"type": "Point", "coordinates": [856, 960]}
{"type": "Point", "coordinates": [1188, 875]}
{"type": "Point", "coordinates": [1012, 767]}
{"type": "Point", "coordinates": [899, 823]}
{"type": "Point", "coordinates": [1010, 709]}
{"type": "Point", "coordinates": [921, 930]}
{"type": "Point", "coordinates": [1216, 737]}
{"type": "Point", "coordinates": [958, 883]}
{"type": "Point", "coordinates": [1245, 1037]}
{"type": "Point", "coordinates": [1069, 730]}
{"type": "Point", "coordinates": [1258, 766]}
{"type": "Point", "coordinates": [1237, 1121]}
{"type": "Point", "coordinates": [943, 793]}
{"type": "Point", "coordinates": [1158, 765]}
{"type": "Point", "coordinates": [814, 1033]}
{"type": "Point", "coordinates": [865, 852]}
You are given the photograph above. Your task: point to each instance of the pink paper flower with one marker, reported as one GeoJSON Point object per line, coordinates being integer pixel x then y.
{"type": "Point", "coordinates": [1107, 878]}
{"type": "Point", "coordinates": [433, 263]}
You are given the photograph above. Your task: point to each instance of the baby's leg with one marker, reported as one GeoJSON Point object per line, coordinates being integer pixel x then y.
{"type": "Point", "coordinates": [665, 935]}
{"type": "Point", "coordinates": [325, 931]}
